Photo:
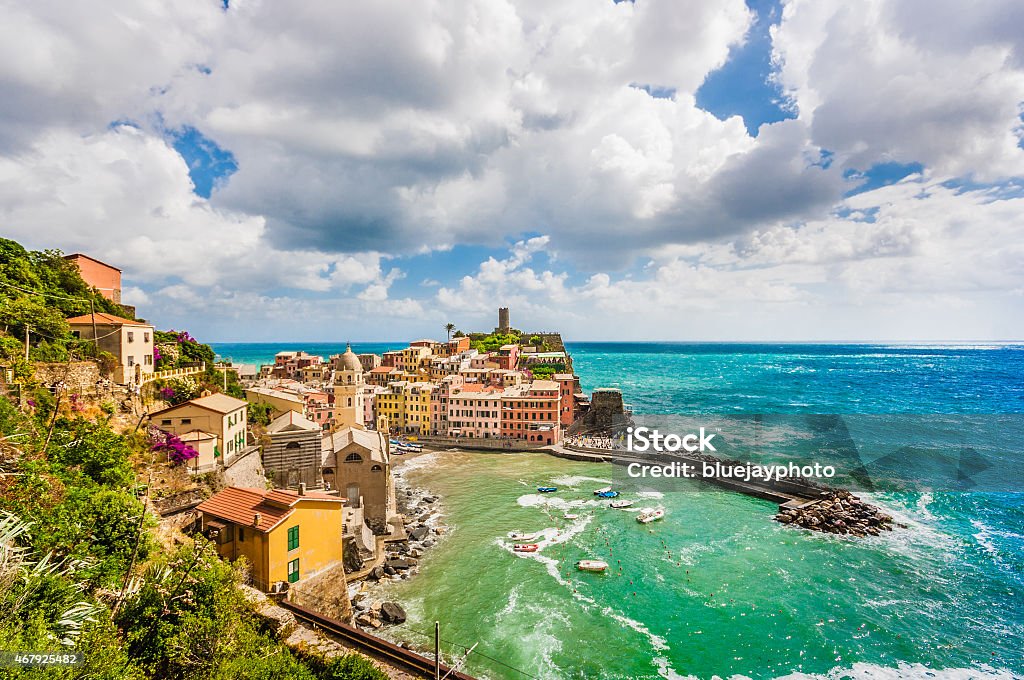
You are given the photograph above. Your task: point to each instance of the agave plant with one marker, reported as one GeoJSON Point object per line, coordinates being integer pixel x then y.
{"type": "Point", "coordinates": [18, 566]}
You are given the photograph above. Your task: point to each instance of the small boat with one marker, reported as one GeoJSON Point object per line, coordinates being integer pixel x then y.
{"type": "Point", "coordinates": [650, 516]}
{"type": "Point", "coordinates": [606, 489]}
{"type": "Point", "coordinates": [571, 515]}
{"type": "Point", "coordinates": [620, 504]}
{"type": "Point", "coordinates": [547, 489]}
{"type": "Point", "coordinates": [521, 536]}
{"type": "Point", "coordinates": [596, 566]}
{"type": "Point", "coordinates": [608, 494]}
{"type": "Point", "coordinates": [526, 547]}
{"type": "Point", "coordinates": [402, 448]}
{"type": "Point", "coordinates": [394, 442]}
{"type": "Point", "coordinates": [414, 447]}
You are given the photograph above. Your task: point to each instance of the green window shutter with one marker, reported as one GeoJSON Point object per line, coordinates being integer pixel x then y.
{"type": "Point", "coordinates": [293, 571]}
{"type": "Point", "coordinates": [293, 538]}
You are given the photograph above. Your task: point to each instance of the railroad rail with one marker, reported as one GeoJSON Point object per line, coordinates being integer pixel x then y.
{"type": "Point", "coordinates": [373, 645]}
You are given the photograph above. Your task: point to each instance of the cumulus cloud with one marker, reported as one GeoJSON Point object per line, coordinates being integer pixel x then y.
{"type": "Point", "coordinates": [366, 136]}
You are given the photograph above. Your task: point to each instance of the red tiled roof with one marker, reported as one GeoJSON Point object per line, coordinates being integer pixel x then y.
{"type": "Point", "coordinates": [108, 319]}
{"type": "Point", "coordinates": [240, 506]}
{"type": "Point", "coordinates": [383, 369]}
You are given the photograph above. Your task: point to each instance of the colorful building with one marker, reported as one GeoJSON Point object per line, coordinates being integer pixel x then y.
{"type": "Point", "coordinates": [285, 535]}
{"type": "Point", "coordinates": [99, 275]}
{"type": "Point", "coordinates": [216, 414]}
{"type": "Point", "coordinates": [531, 412]}
{"type": "Point", "coordinates": [129, 340]}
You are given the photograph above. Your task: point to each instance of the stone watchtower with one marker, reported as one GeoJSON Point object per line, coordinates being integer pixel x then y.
{"type": "Point", "coordinates": [503, 322]}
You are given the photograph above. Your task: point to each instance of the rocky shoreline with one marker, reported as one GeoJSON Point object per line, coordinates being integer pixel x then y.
{"type": "Point", "coordinates": [401, 560]}
{"type": "Point", "coordinates": [838, 512]}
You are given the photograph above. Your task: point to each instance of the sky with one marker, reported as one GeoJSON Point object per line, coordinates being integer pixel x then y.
{"type": "Point", "coordinates": [804, 170]}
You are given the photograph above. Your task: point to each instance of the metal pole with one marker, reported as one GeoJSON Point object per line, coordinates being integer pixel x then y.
{"type": "Point", "coordinates": [437, 650]}
{"type": "Point", "coordinates": [95, 335]}
{"type": "Point", "coordinates": [27, 330]}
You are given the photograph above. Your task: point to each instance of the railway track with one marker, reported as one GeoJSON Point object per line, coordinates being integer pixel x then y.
{"type": "Point", "coordinates": [374, 646]}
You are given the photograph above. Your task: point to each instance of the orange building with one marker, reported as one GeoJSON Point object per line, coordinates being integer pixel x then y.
{"type": "Point", "coordinates": [100, 275]}
{"type": "Point", "coordinates": [531, 412]}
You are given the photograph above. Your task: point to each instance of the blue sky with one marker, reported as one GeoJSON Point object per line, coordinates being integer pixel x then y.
{"type": "Point", "coordinates": [639, 170]}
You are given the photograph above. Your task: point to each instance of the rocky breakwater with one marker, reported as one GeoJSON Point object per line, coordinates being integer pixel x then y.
{"type": "Point", "coordinates": [837, 512]}
{"type": "Point", "coordinates": [401, 561]}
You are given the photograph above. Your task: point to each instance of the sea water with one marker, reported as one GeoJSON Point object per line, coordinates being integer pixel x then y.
{"type": "Point", "coordinates": [717, 588]}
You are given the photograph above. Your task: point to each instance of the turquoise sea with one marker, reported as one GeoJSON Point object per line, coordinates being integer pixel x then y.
{"type": "Point", "coordinates": [718, 589]}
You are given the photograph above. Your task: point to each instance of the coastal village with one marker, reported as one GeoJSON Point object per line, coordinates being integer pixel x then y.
{"type": "Point", "coordinates": [294, 472]}
{"type": "Point", "coordinates": [288, 467]}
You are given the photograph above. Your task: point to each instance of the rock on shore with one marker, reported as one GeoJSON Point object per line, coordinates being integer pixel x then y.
{"type": "Point", "coordinates": [838, 512]}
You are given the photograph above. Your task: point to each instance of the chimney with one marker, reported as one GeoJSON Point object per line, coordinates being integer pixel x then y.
{"type": "Point", "coordinates": [302, 488]}
{"type": "Point", "coordinates": [256, 519]}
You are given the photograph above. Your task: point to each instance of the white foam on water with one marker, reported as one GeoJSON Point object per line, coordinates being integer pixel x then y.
{"type": "Point", "coordinates": [532, 500]}
{"type": "Point", "coordinates": [417, 463]}
{"type": "Point", "coordinates": [650, 494]}
{"type": "Point", "coordinates": [901, 671]}
{"type": "Point", "coordinates": [575, 481]}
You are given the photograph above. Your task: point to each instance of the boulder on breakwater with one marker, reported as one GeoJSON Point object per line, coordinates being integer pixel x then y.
{"type": "Point", "coordinates": [837, 512]}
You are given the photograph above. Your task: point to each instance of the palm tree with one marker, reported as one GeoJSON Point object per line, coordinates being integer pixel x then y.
{"type": "Point", "coordinates": [449, 328]}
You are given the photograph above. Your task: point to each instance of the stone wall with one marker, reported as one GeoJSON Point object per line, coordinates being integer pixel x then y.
{"type": "Point", "coordinates": [79, 376]}
{"type": "Point", "coordinates": [607, 415]}
{"type": "Point", "coordinates": [325, 593]}
{"type": "Point", "coordinates": [246, 470]}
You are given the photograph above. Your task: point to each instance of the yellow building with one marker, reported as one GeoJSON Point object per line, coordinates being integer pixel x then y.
{"type": "Point", "coordinates": [391, 404]}
{"type": "Point", "coordinates": [417, 408]}
{"type": "Point", "coordinates": [280, 402]}
{"type": "Point", "coordinates": [285, 535]}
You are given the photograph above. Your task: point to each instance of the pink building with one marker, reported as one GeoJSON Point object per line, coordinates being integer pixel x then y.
{"type": "Point", "coordinates": [474, 410]}
{"type": "Point", "coordinates": [568, 387]}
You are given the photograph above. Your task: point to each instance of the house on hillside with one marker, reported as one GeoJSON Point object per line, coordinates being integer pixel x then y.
{"type": "Point", "coordinates": [130, 341]}
{"type": "Point", "coordinates": [285, 535]}
{"type": "Point", "coordinates": [216, 414]}
{"type": "Point", "coordinates": [103, 277]}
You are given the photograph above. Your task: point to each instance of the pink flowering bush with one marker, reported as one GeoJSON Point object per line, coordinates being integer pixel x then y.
{"type": "Point", "coordinates": [177, 451]}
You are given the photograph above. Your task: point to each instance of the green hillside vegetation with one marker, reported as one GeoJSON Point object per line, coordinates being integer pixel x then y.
{"type": "Point", "coordinates": [82, 565]}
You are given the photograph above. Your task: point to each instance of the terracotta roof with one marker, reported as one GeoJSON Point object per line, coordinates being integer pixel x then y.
{"type": "Point", "coordinates": [74, 255]}
{"type": "Point", "coordinates": [239, 505]}
{"type": "Point", "coordinates": [383, 369]}
{"type": "Point", "coordinates": [106, 319]}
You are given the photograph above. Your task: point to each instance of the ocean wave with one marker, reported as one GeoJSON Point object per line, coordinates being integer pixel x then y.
{"type": "Point", "coordinates": [871, 671]}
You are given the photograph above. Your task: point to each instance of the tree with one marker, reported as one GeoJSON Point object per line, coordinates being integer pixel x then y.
{"type": "Point", "coordinates": [449, 329]}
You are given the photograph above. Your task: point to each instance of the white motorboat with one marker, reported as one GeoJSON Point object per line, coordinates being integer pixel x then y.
{"type": "Point", "coordinates": [605, 489]}
{"type": "Point", "coordinates": [650, 516]}
{"type": "Point", "coordinates": [620, 504]}
{"type": "Point", "coordinates": [571, 515]}
{"type": "Point", "coordinates": [596, 566]}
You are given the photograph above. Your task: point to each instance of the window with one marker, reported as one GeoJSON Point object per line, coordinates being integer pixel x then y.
{"type": "Point", "coordinates": [165, 421]}
{"type": "Point", "coordinates": [293, 571]}
{"type": "Point", "coordinates": [241, 534]}
{"type": "Point", "coordinates": [353, 458]}
{"type": "Point", "coordinates": [145, 337]}
{"type": "Point", "coordinates": [149, 359]}
{"type": "Point", "coordinates": [131, 360]}
{"type": "Point", "coordinates": [131, 336]}
{"type": "Point", "coordinates": [375, 468]}
{"type": "Point", "coordinates": [77, 334]}
{"type": "Point", "coordinates": [293, 537]}
{"type": "Point", "coordinates": [186, 421]}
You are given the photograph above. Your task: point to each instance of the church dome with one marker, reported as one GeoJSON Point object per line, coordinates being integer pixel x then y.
{"type": "Point", "coordinates": [349, 360]}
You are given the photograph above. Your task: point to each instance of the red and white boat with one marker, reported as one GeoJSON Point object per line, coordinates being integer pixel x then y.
{"type": "Point", "coordinates": [526, 547]}
{"type": "Point", "coordinates": [650, 516]}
